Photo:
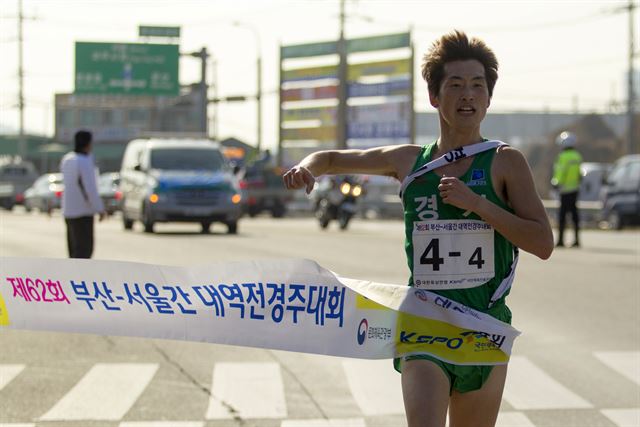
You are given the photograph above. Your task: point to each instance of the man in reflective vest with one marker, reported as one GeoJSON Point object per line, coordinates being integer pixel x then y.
{"type": "Point", "coordinates": [566, 180]}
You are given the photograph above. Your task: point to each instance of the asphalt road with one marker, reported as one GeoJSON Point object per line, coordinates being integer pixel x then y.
{"type": "Point", "coordinates": [576, 364]}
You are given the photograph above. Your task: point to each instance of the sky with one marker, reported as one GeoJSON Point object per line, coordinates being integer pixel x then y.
{"type": "Point", "coordinates": [555, 55]}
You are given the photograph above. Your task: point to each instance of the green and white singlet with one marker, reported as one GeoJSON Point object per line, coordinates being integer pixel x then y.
{"type": "Point", "coordinates": [459, 257]}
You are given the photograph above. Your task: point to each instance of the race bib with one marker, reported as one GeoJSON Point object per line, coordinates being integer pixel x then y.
{"type": "Point", "coordinates": [452, 254]}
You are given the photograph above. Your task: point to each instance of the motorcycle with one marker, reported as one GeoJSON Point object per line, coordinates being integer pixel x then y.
{"type": "Point", "coordinates": [337, 200]}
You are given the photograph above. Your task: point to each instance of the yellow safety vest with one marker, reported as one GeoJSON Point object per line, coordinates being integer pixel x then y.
{"type": "Point", "coordinates": [566, 171]}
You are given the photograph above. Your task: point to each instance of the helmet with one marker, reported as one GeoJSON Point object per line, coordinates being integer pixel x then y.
{"type": "Point", "coordinates": [566, 139]}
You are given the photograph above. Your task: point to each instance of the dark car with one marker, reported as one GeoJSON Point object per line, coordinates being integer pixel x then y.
{"type": "Point", "coordinates": [622, 195]}
{"type": "Point", "coordinates": [45, 194]}
{"type": "Point", "coordinates": [108, 188]}
{"type": "Point", "coordinates": [15, 177]}
{"type": "Point", "coordinates": [264, 191]}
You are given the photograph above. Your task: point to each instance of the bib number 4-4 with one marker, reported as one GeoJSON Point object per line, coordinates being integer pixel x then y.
{"type": "Point", "coordinates": [452, 254]}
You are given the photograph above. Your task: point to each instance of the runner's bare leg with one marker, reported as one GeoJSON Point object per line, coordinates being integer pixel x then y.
{"type": "Point", "coordinates": [425, 389]}
{"type": "Point", "coordinates": [479, 408]}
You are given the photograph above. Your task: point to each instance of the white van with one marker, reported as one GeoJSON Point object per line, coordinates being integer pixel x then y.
{"type": "Point", "coordinates": [184, 180]}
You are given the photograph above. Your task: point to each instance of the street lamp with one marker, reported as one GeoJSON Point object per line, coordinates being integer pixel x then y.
{"type": "Point", "coordinates": [259, 78]}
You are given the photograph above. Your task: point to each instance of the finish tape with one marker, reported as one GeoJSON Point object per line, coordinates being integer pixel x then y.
{"type": "Point", "coordinates": [284, 304]}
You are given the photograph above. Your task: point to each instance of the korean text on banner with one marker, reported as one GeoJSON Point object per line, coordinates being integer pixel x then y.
{"type": "Point", "coordinates": [290, 304]}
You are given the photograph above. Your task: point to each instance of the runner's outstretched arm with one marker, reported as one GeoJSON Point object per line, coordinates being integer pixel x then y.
{"type": "Point", "coordinates": [388, 160]}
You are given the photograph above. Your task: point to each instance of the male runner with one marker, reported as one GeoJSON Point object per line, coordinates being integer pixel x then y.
{"type": "Point", "coordinates": [492, 191]}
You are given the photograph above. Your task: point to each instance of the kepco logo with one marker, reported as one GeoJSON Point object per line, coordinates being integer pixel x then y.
{"type": "Point", "coordinates": [362, 331]}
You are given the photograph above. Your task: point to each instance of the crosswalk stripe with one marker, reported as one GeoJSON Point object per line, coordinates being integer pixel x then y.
{"type": "Point", "coordinates": [375, 386]}
{"type": "Point", "coordinates": [254, 390]}
{"type": "Point", "coordinates": [529, 387]}
{"type": "Point", "coordinates": [626, 363]}
{"type": "Point", "coordinates": [17, 425]}
{"type": "Point", "coordinates": [162, 424]}
{"type": "Point", "coordinates": [8, 373]}
{"type": "Point", "coordinates": [332, 422]}
{"type": "Point", "coordinates": [623, 417]}
{"type": "Point", "coordinates": [106, 392]}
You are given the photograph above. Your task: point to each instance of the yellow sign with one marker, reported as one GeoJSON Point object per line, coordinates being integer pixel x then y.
{"type": "Point", "coordinates": [4, 314]}
{"type": "Point", "coordinates": [447, 342]}
{"type": "Point", "coordinates": [383, 68]}
{"type": "Point", "coordinates": [327, 115]}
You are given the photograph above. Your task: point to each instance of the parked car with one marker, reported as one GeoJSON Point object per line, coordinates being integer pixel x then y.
{"type": "Point", "coordinates": [45, 194]}
{"type": "Point", "coordinates": [15, 177]}
{"type": "Point", "coordinates": [186, 180]}
{"type": "Point", "coordinates": [622, 194]}
{"type": "Point", "coordinates": [108, 188]}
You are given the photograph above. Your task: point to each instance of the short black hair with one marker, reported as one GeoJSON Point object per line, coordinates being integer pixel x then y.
{"type": "Point", "coordinates": [82, 140]}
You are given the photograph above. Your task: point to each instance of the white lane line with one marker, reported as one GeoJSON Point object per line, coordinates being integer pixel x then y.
{"type": "Point", "coordinates": [375, 386]}
{"type": "Point", "coordinates": [623, 417]}
{"type": "Point", "coordinates": [529, 387]}
{"type": "Point", "coordinates": [8, 373]}
{"type": "Point", "coordinates": [626, 363]}
{"type": "Point", "coordinates": [162, 424]}
{"type": "Point", "coordinates": [106, 392]}
{"type": "Point", "coordinates": [254, 390]}
{"type": "Point", "coordinates": [332, 422]}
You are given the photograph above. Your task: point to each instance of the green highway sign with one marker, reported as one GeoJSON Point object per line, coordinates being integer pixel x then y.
{"type": "Point", "coordinates": [149, 31]}
{"type": "Point", "coordinates": [127, 68]}
{"type": "Point", "coordinates": [308, 49]}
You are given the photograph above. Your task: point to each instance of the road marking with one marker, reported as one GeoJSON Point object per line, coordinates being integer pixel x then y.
{"type": "Point", "coordinates": [106, 392]}
{"type": "Point", "coordinates": [375, 386]}
{"type": "Point", "coordinates": [254, 390]}
{"type": "Point", "coordinates": [335, 422]}
{"type": "Point", "coordinates": [161, 424]}
{"type": "Point", "coordinates": [623, 417]}
{"type": "Point", "coordinates": [529, 387]}
{"type": "Point", "coordinates": [626, 363]}
{"type": "Point", "coordinates": [8, 373]}
{"type": "Point", "coordinates": [17, 425]}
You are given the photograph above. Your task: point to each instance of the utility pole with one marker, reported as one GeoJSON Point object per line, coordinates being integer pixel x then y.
{"type": "Point", "coordinates": [631, 143]}
{"type": "Point", "coordinates": [22, 149]}
{"type": "Point", "coordinates": [203, 89]}
{"type": "Point", "coordinates": [341, 131]}
{"type": "Point", "coordinates": [259, 99]}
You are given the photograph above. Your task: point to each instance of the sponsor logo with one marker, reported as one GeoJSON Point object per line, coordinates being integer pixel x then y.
{"type": "Point", "coordinates": [477, 174]}
{"type": "Point", "coordinates": [413, 338]}
{"type": "Point", "coordinates": [363, 328]}
{"type": "Point", "coordinates": [421, 295]}
{"type": "Point", "coordinates": [477, 178]}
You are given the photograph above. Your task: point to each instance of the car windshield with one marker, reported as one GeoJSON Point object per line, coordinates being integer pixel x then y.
{"type": "Point", "coordinates": [186, 159]}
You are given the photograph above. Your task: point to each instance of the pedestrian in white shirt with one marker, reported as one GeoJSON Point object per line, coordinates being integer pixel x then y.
{"type": "Point", "coordinates": [80, 199]}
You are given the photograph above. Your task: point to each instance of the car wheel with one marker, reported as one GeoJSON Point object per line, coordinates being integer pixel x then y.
{"type": "Point", "coordinates": [147, 222]}
{"type": "Point", "coordinates": [232, 227]}
{"type": "Point", "coordinates": [278, 210]}
{"type": "Point", "coordinates": [126, 222]}
{"type": "Point", "coordinates": [206, 226]}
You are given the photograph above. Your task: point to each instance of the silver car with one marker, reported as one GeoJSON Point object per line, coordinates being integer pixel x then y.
{"type": "Point", "coordinates": [45, 194]}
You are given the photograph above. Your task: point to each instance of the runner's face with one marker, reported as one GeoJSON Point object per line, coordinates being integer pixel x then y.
{"type": "Point", "coordinates": [464, 96]}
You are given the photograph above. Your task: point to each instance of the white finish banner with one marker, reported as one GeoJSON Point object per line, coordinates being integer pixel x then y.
{"type": "Point", "coordinates": [289, 304]}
